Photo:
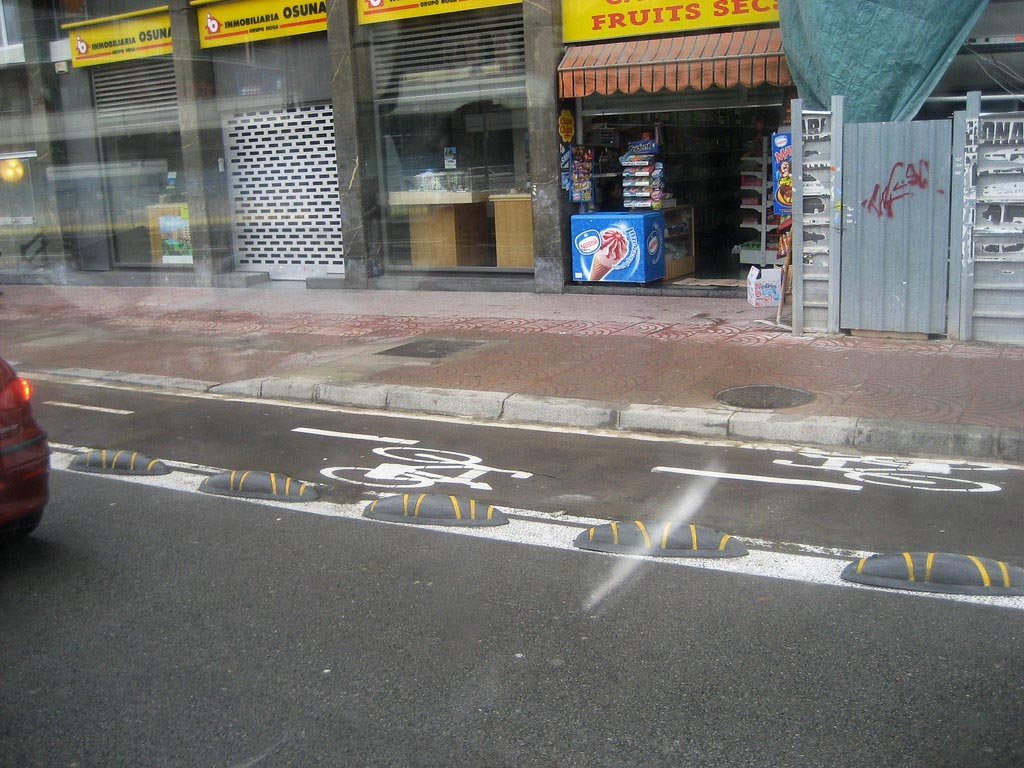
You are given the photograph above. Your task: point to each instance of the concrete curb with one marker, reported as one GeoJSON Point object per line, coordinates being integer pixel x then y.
{"type": "Point", "coordinates": [901, 438]}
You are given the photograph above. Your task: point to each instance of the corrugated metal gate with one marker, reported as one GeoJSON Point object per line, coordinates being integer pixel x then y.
{"type": "Point", "coordinates": [895, 241]}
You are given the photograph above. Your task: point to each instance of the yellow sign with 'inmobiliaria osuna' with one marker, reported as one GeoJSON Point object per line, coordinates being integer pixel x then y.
{"type": "Point", "coordinates": [120, 38]}
{"type": "Point", "coordinates": [374, 11]}
{"type": "Point", "coordinates": [231, 23]}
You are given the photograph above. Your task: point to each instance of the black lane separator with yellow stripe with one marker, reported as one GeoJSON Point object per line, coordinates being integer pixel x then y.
{"type": "Point", "coordinates": [259, 485]}
{"type": "Point", "coordinates": [953, 574]}
{"type": "Point", "coordinates": [659, 539]}
{"type": "Point", "coordinates": [118, 463]}
{"type": "Point", "coordinates": [435, 509]}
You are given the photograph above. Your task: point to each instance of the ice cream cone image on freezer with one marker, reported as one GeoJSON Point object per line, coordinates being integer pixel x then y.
{"type": "Point", "coordinates": [614, 248]}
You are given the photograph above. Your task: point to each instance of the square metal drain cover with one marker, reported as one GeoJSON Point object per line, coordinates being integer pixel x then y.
{"type": "Point", "coordinates": [430, 348]}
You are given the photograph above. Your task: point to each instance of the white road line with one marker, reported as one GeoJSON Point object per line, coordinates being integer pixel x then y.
{"type": "Point", "coordinates": [807, 569]}
{"type": "Point", "coordinates": [354, 436]}
{"type": "Point", "coordinates": [757, 478]}
{"type": "Point", "coordinates": [116, 411]}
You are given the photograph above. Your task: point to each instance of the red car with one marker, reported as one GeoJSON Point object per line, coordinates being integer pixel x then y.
{"type": "Point", "coordinates": [24, 458]}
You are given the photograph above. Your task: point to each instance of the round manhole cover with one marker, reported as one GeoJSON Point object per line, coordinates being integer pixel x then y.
{"type": "Point", "coordinates": [764, 396]}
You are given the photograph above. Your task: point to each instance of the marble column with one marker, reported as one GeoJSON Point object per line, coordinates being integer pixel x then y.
{"type": "Point", "coordinates": [202, 148]}
{"type": "Point", "coordinates": [354, 139]}
{"type": "Point", "coordinates": [543, 28]}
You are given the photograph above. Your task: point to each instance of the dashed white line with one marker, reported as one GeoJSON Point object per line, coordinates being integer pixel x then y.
{"type": "Point", "coordinates": [355, 436]}
{"type": "Point", "coordinates": [758, 478]}
{"type": "Point", "coordinates": [80, 407]}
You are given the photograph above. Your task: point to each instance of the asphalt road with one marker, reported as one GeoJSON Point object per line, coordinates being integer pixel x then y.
{"type": "Point", "coordinates": [150, 624]}
{"type": "Point", "coordinates": [919, 505]}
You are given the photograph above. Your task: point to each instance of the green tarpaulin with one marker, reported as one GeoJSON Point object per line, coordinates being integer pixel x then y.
{"type": "Point", "coordinates": [884, 56]}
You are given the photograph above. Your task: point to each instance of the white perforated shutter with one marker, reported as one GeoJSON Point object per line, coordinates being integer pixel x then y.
{"type": "Point", "coordinates": [286, 211]}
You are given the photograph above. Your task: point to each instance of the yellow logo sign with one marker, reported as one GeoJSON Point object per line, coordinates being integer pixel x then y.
{"type": "Point", "coordinates": [372, 11]}
{"type": "Point", "coordinates": [120, 39]}
{"type": "Point", "coordinates": [566, 126]}
{"type": "Point", "coordinates": [603, 19]}
{"type": "Point", "coordinates": [247, 20]}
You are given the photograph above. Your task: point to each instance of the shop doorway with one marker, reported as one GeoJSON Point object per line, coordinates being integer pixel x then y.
{"type": "Point", "coordinates": [717, 181]}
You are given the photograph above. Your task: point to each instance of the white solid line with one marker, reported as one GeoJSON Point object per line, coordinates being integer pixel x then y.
{"type": "Point", "coordinates": [116, 411]}
{"type": "Point", "coordinates": [758, 478]}
{"type": "Point", "coordinates": [353, 436]}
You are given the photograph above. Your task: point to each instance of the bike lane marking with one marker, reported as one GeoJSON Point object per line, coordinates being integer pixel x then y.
{"type": "Point", "coordinates": [354, 436]}
{"type": "Point", "coordinates": [530, 528]}
{"type": "Point", "coordinates": [757, 478]}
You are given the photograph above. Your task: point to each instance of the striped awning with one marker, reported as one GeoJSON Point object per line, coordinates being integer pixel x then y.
{"type": "Point", "coordinates": [720, 59]}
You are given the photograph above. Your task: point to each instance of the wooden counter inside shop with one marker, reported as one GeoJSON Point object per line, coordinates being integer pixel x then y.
{"type": "Point", "coordinates": [446, 228]}
{"type": "Point", "coordinates": [513, 229]}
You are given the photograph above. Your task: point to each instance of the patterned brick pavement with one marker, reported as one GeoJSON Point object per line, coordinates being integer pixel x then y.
{"type": "Point", "coordinates": [657, 350]}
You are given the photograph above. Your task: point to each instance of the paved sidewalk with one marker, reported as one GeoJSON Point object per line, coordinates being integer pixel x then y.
{"type": "Point", "coordinates": [645, 363]}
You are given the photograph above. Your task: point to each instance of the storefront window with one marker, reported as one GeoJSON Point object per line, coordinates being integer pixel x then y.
{"type": "Point", "coordinates": [142, 180]}
{"type": "Point", "coordinates": [20, 240]}
{"type": "Point", "coordinates": [453, 141]}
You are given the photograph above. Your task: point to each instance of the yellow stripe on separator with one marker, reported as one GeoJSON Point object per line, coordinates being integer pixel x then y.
{"type": "Point", "coordinates": [910, 565]}
{"type": "Point", "coordinates": [273, 483]}
{"type": "Point", "coordinates": [860, 565]}
{"type": "Point", "coordinates": [592, 534]}
{"type": "Point", "coordinates": [928, 566]}
{"type": "Point", "coordinates": [242, 480]}
{"type": "Point", "coordinates": [664, 535]}
{"type": "Point", "coordinates": [472, 509]}
{"type": "Point", "coordinates": [1006, 573]}
{"type": "Point", "coordinates": [152, 463]}
{"type": "Point", "coordinates": [302, 489]}
{"type": "Point", "coordinates": [416, 511]}
{"type": "Point", "coordinates": [131, 462]}
{"type": "Point", "coordinates": [374, 504]}
{"type": "Point", "coordinates": [103, 459]}
{"type": "Point", "coordinates": [287, 485]}
{"type": "Point", "coordinates": [113, 461]}
{"type": "Point", "coordinates": [490, 513]}
{"type": "Point", "coordinates": [724, 541]}
{"type": "Point", "coordinates": [231, 481]}
{"type": "Point", "coordinates": [615, 533]}
{"type": "Point", "coordinates": [985, 579]}
{"type": "Point", "coordinates": [405, 505]}
{"type": "Point", "coordinates": [643, 530]}
{"type": "Point", "coordinates": [693, 536]}
{"type": "Point", "coordinates": [455, 506]}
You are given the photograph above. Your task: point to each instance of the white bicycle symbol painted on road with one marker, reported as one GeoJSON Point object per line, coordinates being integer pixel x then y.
{"type": "Point", "coordinates": [411, 468]}
{"type": "Point", "coordinates": [919, 474]}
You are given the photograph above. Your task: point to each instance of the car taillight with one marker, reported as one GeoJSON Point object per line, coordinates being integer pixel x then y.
{"type": "Point", "coordinates": [17, 394]}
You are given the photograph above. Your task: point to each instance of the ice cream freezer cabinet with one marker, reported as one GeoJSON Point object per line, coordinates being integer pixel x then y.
{"type": "Point", "coordinates": [618, 247]}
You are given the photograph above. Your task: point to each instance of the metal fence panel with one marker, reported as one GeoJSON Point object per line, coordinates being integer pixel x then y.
{"type": "Point", "coordinates": [895, 242]}
{"type": "Point", "coordinates": [997, 291]}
